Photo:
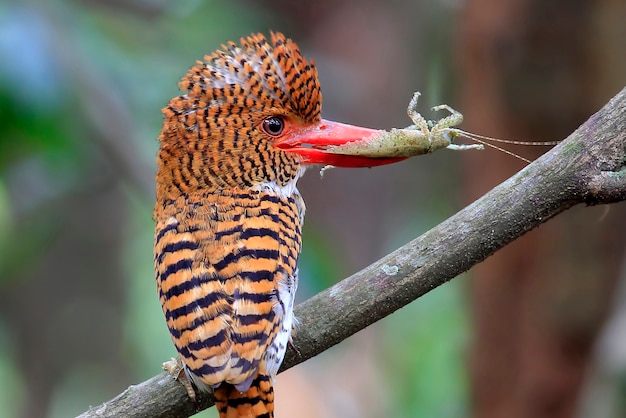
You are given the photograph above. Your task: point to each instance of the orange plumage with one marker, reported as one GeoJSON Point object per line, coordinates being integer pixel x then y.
{"type": "Point", "coordinates": [228, 214]}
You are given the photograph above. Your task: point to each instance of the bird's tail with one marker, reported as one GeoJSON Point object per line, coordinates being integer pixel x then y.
{"type": "Point", "coordinates": [256, 402]}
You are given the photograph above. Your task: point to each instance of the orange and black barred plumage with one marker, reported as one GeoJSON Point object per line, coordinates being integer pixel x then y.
{"type": "Point", "coordinates": [229, 216]}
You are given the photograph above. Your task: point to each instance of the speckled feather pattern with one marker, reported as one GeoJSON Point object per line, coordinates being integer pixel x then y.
{"type": "Point", "coordinates": [228, 218]}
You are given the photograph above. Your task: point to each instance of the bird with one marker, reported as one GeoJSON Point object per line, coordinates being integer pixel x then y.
{"type": "Point", "coordinates": [228, 215]}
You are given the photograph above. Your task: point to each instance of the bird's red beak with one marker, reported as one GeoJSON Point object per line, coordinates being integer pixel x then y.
{"type": "Point", "coordinates": [310, 142]}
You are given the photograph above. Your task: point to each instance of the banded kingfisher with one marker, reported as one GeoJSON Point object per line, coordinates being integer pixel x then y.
{"type": "Point", "coordinates": [229, 216]}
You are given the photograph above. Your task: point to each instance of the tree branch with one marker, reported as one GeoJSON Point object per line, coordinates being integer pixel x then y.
{"type": "Point", "coordinates": [588, 167]}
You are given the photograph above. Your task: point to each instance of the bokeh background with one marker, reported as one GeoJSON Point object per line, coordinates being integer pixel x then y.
{"type": "Point", "coordinates": [538, 330]}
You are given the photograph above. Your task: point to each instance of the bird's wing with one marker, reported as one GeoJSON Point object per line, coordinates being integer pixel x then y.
{"type": "Point", "coordinates": [226, 271]}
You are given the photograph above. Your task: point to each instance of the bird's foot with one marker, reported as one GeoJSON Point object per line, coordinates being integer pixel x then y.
{"type": "Point", "coordinates": [176, 369]}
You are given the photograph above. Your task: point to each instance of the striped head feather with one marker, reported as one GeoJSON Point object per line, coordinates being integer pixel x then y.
{"type": "Point", "coordinates": [217, 135]}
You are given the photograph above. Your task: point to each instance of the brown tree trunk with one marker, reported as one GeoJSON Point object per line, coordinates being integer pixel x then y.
{"type": "Point", "coordinates": [533, 70]}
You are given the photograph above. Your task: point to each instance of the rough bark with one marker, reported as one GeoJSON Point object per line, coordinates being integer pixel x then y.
{"type": "Point", "coordinates": [588, 167]}
{"type": "Point", "coordinates": [533, 69]}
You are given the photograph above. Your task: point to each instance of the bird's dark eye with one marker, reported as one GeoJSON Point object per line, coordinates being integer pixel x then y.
{"type": "Point", "coordinates": [274, 126]}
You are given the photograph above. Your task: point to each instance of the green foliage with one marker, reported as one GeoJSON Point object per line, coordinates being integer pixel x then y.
{"type": "Point", "coordinates": [425, 343]}
{"type": "Point", "coordinates": [319, 263]}
{"type": "Point", "coordinates": [10, 378]}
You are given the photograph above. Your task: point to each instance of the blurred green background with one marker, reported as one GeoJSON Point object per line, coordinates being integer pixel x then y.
{"type": "Point", "coordinates": [81, 88]}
